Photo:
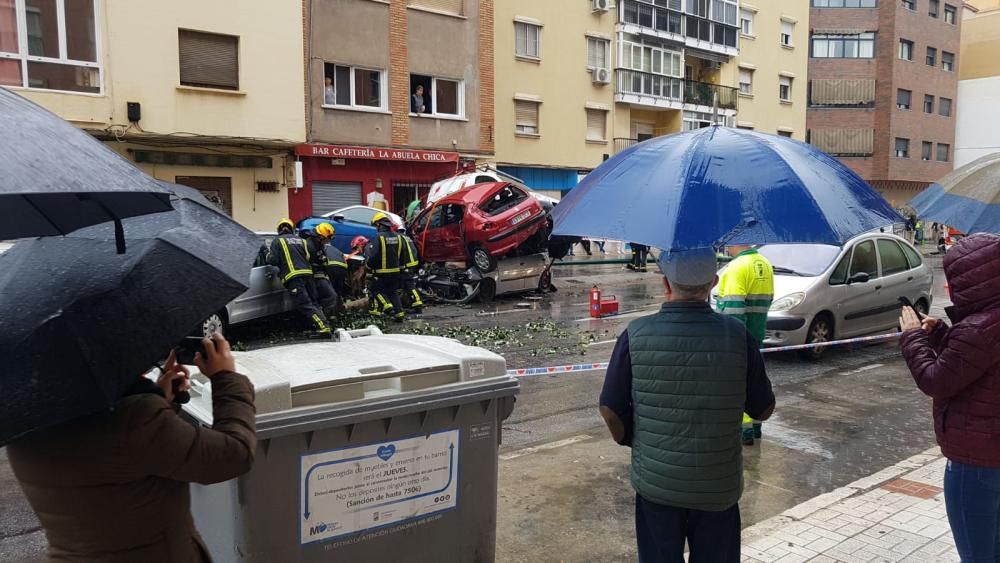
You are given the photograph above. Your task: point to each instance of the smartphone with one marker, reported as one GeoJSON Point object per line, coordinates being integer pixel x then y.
{"type": "Point", "coordinates": [187, 348]}
{"type": "Point", "coordinates": [905, 302]}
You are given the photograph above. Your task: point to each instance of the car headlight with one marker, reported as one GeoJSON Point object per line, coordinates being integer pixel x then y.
{"type": "Point", "coordinates": [788, 302]}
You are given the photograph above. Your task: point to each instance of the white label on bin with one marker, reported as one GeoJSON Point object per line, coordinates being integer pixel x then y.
{"type": "Point", "coordinates": [360, 488]}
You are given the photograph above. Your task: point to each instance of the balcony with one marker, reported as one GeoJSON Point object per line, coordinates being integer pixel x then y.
{"type": "Point", "coordinates": [623, 143]}
{"type": "Point", "coordinates": [669, 23]}
{"type": "Point", "coordinates": [647, 89]}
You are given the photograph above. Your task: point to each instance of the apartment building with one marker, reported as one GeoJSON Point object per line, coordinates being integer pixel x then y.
{"type": "Point", "coordinates": [882, 88]}
{"type": "Point", "coordinates": [976, 133]}
{"type": "Point", "coordinates": [399, 94]}
{"type": "Point", "coordinates": [554, 92]}
{"type": "Point", "coordinates": [772, 64]}
{"type": "Point", "coordinates": [189, 91]}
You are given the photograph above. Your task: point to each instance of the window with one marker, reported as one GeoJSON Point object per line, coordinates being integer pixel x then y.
{"type": "Point", "coordinates": [698, 8]}
{"type": "Point", "coordinates": [786, 33]}
{"type": "Point", "coordinates": [746, 22]}
{"type": "Point", "coordinates": [440, 97]}
{"type": "Point", "coordinates": [942, 152]}
{"type": "Point", "coordinates": [526, 117]}
{"type": "Point", "coordinates": [931, 56]}
{"type": "Point", "coordinates": [526, 39]}
{"type": "Point", "coordinates": [58, 50]}
{"type": "Point", "coordinates": [903, 99]}
{"type": "Point", "coordinates": [746, 81]}
{"type": "Point", "coordinates": [893, 259]}
{"type": "Point", "coordinates": [906, 50]}
{"type": "Point", "coordinates": [352, 87]}
{"type": "Point", "coordinates": [597, 53]}
{"type": "Point", "coordinates": [839, 275]}
{"type": "Point", "coordinates": [932, 8]}
{"type": "Point", "coordinates": [928, 103]}
{"type": "Point", "coordinates": [507, 198]}
{"type": "Point", "coordinates": [912, 256]}
{"type": "Point", "coordinates": [944, 107]}
{"type": "Point", "coordinates": [209, 60]}
{"type": "Point", "coordinates": [947, 61]}
{"type": "Point", "coordinates": [844, 3]}
{"type": "Point", "coordinates": [597, 129]}
{"type": "Point", "coordinates": [949, 14]}
{"type": "Point", "coordinates": [444, 6]}
{"type": "Point", "coordinates": [910, 4]}
{"type": "Point", "coordinates": [785, 88]}
{"type": "Point", "coordinates": [724, 11]}
{"type": "Point", "coordinates": [785, 134]}
{"type": "Point", "coordinates": [902, 148]}
{"type": "Point", "coordinates": [854, 46]}
{"type": "Point", "coordinates": [864, 260]}
{"type": "Point", "coordinates": [926, 150]}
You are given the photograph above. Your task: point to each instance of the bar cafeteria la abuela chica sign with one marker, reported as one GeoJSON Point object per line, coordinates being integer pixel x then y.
{"type": "Point", "coordinates": [375, 153]}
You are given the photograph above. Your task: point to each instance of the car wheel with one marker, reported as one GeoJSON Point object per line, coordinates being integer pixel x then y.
{"type": "Point", "coordinates": [487, 290]}
{"type": "Point", "coordinates": [482, 259]}
{"type": "Point", "coordinates": [213, 324]}
{"type": "Point", "coordinates": [545, 281]}
{"type": "Point", "coordinates": [821, 330]}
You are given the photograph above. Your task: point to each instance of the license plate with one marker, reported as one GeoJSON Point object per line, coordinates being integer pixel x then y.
{"type": "Point", "coordinates": [521, 217]}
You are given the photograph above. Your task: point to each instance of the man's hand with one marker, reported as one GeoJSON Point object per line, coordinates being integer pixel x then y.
{"type": "Point", "coordinates": [216, 357]}
{"type": "Point", "coordinates": [909, 320]}
{"type": "Point", "coordinates": [928, 323]}
{"type": "Point", "coordinates": [171, 373]}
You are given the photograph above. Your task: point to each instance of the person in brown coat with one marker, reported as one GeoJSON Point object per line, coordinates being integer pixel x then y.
{"type": "Point", "coordinates": [113, 486]}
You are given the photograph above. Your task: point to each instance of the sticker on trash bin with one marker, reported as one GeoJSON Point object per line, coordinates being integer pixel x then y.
{"type": "Point", "coordinates": [359, 488]}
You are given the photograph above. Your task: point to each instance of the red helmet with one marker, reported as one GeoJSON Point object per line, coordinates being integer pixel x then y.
{"type": "Point", "coordinates": [359, 240]}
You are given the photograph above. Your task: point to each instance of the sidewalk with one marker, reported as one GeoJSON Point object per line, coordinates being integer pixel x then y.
{"type": "Point", "coordinates": [897, 514]}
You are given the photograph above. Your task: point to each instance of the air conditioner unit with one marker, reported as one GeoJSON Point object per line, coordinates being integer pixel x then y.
{"type": "Point", "coordinates": [601, 75]}
{"type": "Point", "coordinates": [601, 5]}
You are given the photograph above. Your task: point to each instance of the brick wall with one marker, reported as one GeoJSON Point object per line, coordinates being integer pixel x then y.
{"type": "Point", "coordinates": [486, 76]}
{"type": "Point", "coordinates": [399, 73]}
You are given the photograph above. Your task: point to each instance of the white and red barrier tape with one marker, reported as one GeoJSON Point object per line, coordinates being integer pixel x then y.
{"type": "Point", "coordinates": [551, 370]}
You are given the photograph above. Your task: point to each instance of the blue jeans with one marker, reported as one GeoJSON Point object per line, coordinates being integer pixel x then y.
{"type": "Point", "coordinates": [972, 497]}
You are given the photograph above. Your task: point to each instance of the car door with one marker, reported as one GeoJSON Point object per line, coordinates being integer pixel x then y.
{"type": "Point", "coordinates": [896, 281]}
{"type": "Point", "coordinates": [265, 295]}
{"type": "Point", "coordinates": [860, 304]}
{"type": "Point", "coordinates": [451, 236]}
{"type": "Point", "coordinates": [428, 234]}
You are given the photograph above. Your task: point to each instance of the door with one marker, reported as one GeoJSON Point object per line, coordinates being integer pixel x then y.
{"type": "Point", "coordinates": [896, 281]}
{"type": "Point", "coordinates": [443, 239]}
{"type": "Point", "coordinates": [642, 130]}
{"type": "Point", "coordinates": [861, 303]}
{"type": "Point", "coordinates": [266, 295]}
{"type": "Point", "coordinates": [331, 196]}
{"type": "Point", "coordinates": [216, 189]}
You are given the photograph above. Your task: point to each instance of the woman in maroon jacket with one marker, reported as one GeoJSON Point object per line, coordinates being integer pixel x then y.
{"type": "Point", "coordinates": [959, 367]}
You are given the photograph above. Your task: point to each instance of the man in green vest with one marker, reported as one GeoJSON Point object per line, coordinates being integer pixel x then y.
{"type": "Point", "coordinates": [676, 387]}
{"type": "Point", "coordinates": [746, 291]}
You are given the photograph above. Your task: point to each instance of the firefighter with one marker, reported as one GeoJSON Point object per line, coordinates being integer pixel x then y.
{"type": "Point", "coordinates": [746, 289]}
{"type": "Point", "coordinates": [410, 262]}
{"type": "Point", "coordinates": [316, 244]}
{"type": "Point", "coordinates": [336, 268]}
{"type": "Point", "coordinates": [382, 257]}
{"type": "Point", "coordinates": [290, 255]}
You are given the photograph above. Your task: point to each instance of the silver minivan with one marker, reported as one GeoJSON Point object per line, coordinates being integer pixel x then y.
{"type": "Point", "coordinates": [824, 293]}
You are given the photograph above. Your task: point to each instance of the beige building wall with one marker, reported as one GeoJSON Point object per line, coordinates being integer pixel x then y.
{"type": "Point", "coordinates": [138, 52]}
{"type": "Point", "coordinates": [559, 79]}
{"type": "Point", "coordinates": [980, 53]}
{"type": "Point", "coordinates": [762, 53]}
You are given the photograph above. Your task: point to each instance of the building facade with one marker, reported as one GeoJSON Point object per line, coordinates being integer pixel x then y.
{"type": "Point", "coordinates": [373, 138]}
{"type": "Point", "coordinates": [184, 89]}
{"type": "Point", "coordinates": [772, 64]}
{"type": "Point", "coordinates": [882, 88]}
{"type": "Point", "coordinates": [553, 90]}
{"type": "Point", "coordinates": [976, 132]}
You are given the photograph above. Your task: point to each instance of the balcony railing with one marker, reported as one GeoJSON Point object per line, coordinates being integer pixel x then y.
{"type": "Point", "coordinates": [623, 143]}
{"type": "Point", "coordinates": [670, 19]}
{"type": "Point", "coordinates": [669, 88]}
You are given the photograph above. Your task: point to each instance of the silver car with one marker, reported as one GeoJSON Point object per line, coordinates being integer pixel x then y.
{"type": "Point", "coordinates": [824, 293]}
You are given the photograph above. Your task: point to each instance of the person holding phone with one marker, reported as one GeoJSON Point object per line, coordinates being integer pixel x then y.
{"type": "Point", "coordinates": [959, 367]}
{"type": "Point", "coordinates": [114, 486]}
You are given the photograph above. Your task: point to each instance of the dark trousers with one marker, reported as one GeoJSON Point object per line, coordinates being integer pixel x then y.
{"type": "Point", "coordinates": [639, 254]}
{"type": "Point", "coordinates": [972, 497]}
{"type": "Point", "coordinates": [306, 301]}
{"type": "Point", "coordinates": [385, 294]}
{"type": "Point", "coordinates": [660, 530]}
{"type": "Point", "coordinates": [326, 294]}
{"type": "Point", "coordinates": [411, 297]}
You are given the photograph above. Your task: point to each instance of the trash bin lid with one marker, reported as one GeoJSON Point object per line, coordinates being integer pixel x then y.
{"type": "Point", "coordinates": [358, 369]}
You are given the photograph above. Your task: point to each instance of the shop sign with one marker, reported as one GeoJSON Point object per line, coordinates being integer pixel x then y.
{"type": "Point", "coordinates": [375, 153]}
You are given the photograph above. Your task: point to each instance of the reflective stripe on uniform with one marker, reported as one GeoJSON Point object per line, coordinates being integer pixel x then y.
{"type": "Point", "coordinates": [338, 264]}
{"type": "Point", "coordinates": [292, 272]}
{"type": "Point", "coordinates": [385, 269]}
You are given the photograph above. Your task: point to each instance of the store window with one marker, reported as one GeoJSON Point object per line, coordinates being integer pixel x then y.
{"type": "Point", "coordinates": [349, 87]}
{"type": "Point", "coordinates": [58, 49]}
{"type": "Point", "coordinates": [436, 97]}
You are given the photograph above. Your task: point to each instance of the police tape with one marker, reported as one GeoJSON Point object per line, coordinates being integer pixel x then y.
{"type": "Point", "coordinates": [552, 370]}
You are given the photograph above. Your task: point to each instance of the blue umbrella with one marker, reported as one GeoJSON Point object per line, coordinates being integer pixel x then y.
{"type": "Point", "coordinates": [967, 199]}
{"type": "Point", "coordinates": [717, 186]}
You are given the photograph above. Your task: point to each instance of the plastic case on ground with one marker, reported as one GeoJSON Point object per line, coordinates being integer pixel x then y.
{"type": "Point", "coordinates": [373, 448]}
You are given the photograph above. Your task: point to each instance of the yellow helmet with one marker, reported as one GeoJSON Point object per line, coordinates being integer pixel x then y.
{"type": "Point", "coordinates": [286, 222]}
{"type": "Point", "coordinates": [379, 217]}
{"type": "Point", "coordinates": [325, 230]}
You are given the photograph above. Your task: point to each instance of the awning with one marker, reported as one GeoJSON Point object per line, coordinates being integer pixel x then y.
{"type": "Point", "coordinates": [838, 31]}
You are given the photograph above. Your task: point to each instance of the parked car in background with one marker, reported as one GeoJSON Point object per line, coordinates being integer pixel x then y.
{"type": "Point", "coordinates": [481, 223]}
{"type": "Point", "coordinates": [348, 223]}
{"type": "Point", "coordinates": [824, 293]}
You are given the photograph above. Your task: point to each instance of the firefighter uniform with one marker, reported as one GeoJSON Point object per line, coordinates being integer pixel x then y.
{"type": "Point", "coordinates": [290, 255]}
{"type": "Point", "coordinates": [746, 290]}
{"type": "Point", "coordinates": [325, 292]}
{"type": "Point", "coordinates": [336, 269]}
{"type": "Point", "coordinates": [410, 262]}
{"type": "Point", "coordinates": [382, 257]}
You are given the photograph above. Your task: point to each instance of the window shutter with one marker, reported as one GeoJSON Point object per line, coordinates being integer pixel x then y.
{"type": "Point", "coordinates": [746, 76]}
{"type": "Point", "coordinates": [526, 113]}
{"type": "Point", "coordinates": [596, 125]}
{"type": "Point", "coordinates": [447, 6]}
{"type": "Point", "coordinates": [843, 142]}
{"type": "Point", "coordinates": [787, 28]}
{"type": "Point", "coordinates": [842, 92]}
{"type": "Point", "coordinates": [209, 59]}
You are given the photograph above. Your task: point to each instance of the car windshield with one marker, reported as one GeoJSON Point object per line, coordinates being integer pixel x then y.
{"type": "Point", "coordinates": [357, 214]}
{"type": "Point", "coordinates": [800, 259]}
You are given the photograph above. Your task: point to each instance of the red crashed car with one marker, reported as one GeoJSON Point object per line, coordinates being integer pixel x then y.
{"type": "Point", "coordinates": [482, 222]}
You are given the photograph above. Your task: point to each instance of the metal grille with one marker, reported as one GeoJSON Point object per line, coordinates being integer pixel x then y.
{"type": "Point", "coordinates": [331, 196]}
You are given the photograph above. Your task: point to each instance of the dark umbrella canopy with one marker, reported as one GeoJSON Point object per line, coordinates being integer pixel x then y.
{"type": "Point", "coordinates": [79, 323]}
{"type": "Point", "coordinates": [55, 179]}
{"type": "Point", "coordinates": [719, 185]}
{"type": "Point", "coordinates": [968, 198]}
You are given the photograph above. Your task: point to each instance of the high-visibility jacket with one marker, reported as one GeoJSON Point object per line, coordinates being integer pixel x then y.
{"type": "Point", "coordinates": [383, 254]}
{"type": "Point", "coordinates": [746, 291]}
{"type": "Point", "coordinates": [317, 257]}
{"type": "Point", "coordinates": [410, 257]}
{"type": "Point", "coordinates": [291, 256]}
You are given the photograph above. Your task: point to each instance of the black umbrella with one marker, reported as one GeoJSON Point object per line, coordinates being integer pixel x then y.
{"type": "Point", "coordinates": [79, 323]}
{"type": "Point", "coordinates": [55, 179]}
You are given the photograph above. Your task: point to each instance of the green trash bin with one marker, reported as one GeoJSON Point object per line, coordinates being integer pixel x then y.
{"type": "Point", "coordinates": [373, 448]}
